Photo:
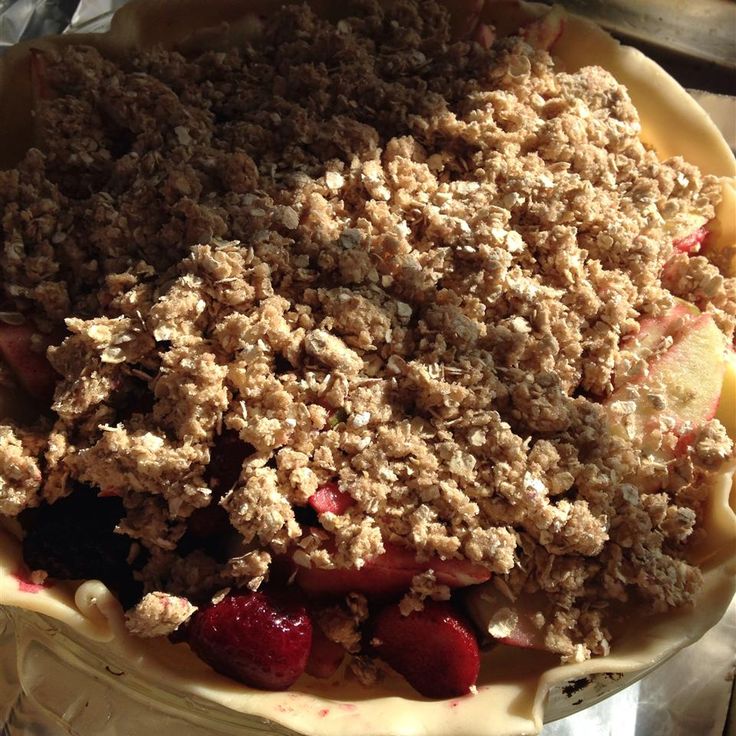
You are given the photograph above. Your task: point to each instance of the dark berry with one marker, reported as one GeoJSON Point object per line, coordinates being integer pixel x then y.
{"type": "Point", "coordinates": [262, 639]}
{"type": "Point", "coordinates": [226, 462]}
{"type": "Point", "coordinates": [74, 539]}
{"type": "Point", "coordinates": [208, 529]}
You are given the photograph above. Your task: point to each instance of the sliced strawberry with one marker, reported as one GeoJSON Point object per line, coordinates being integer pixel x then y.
{"type": "Point", "coordinates": [693, 242]}
{"type": "Point", "coordinates": [259, 638]}
{"type": "Point", "coordinates": [543, 32]}
{"type": "Point", "coordinates": [389, 575]}
{"type": "Point", "coordinates": [29, 366]}
{"type": "Point", "coordinates": [325, 656]}
{"type": "Point", "coordinates": [328, 498]}
{"type": "Point", "coordinates": [434, 649]}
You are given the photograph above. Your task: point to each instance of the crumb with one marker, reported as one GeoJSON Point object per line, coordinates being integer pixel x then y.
{"type": "Point", "coordinates": [158, 614]}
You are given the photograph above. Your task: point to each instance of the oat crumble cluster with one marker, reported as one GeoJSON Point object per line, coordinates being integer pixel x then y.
{"type": "Point", "coordinates": [380, 258]}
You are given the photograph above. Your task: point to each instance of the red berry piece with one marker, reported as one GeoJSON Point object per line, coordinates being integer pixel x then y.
{"type": "Point", "coordinates": [693, 242]}
{"type": "Point", "coordinates": [261, 639]}
{"type": "Point", "coordinates": [326, 656]}
{"type": "Point", "coordinates": [434, 649]}
{"type": "Point", "coordinates": [75, 539]}
{"type": "Point", "coordinates": [28, 365]}
{"type": "Point", "coordinates": [39, 76]}
{"type": "Point", "coordinates": [329, 498]}
{"type": "Point", "coordinates": [389, 575]}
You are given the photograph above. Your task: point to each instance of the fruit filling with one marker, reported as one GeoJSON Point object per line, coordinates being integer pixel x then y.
{"type": "Point", "coordinates": [372, 340]}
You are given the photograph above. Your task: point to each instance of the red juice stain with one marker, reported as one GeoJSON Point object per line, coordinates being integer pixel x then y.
{"type": "Point", "coordinates": [26, 585]}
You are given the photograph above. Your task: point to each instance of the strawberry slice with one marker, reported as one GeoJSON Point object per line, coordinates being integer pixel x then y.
{"type": "Point", "coordinates": [325, 657]}
{"type": "Point", "coordinates": [389, 575]}
{"type": "Point", "coordinates": [693, 242]}
{"type": "Point", "coordinates": [544, 32]}
{"type": "Point", "coordinates": [259, 638]}
{"type": "Point", "coordinates": [30, 367]}
{"type": "Point", "coordinates": [434, 649]}
{"type": "Point", "coordinates": [328, 498]}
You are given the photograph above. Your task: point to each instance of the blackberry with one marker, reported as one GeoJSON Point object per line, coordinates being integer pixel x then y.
{"type": "Point", "coordinates": [74, 539]}
{"type": "Point", "coordinates": [226, 462]}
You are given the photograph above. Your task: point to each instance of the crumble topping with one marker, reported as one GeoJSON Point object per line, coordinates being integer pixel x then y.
{"type": "Point", "coordinates": [158, 614]}
{"type": "Point", "coordinates": [20, 474]}
{"type": "Point", "coordinates": [423, 586]}
{"type": "Point", "coordinates": [382, 258]}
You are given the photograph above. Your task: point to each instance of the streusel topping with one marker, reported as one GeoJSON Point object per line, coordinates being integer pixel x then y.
{"type": "Point", "coordinates": [380, 257]}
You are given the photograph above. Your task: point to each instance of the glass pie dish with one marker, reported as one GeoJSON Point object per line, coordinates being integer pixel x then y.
{"type": "Point", "coordinates": [514, 685]}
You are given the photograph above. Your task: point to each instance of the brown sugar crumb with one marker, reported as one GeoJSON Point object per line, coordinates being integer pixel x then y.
{"type": "Point", "coordinates": [712, 446]}
{"type": "Point", "coordinates": [379, 258]}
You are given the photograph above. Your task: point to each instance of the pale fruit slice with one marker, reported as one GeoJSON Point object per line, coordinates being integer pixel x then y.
{"type": "Point", "coordinates": [653, 330]}
{"type": "Point", "coordinates": [693, 242]}
{"type": "Point", "coordinates": [484, 35]}
{"type": "Point", "coordinates": [543, 32]}
{"type": "Point", "coordinates": [726, 413]}
{"type": "Point", "coordinates": [688, 232]}
{"type": "Point", "coordinates": [687, 378]}
{"type": "Point", "coordinates": [520, 623]}
{"type": "Point", "coordinates": [692, 371]}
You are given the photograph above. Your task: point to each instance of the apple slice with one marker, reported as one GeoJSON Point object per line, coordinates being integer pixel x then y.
{"type": "Point", "coordinates": [29, 366]}
{"type": "Point", "coordinates": [389, 575]}
{"type": "Point", "coordinates": [544, 32]}
{"type": "Point", "coordinates": [652, 330]}
{"type": "Point", "coordinates": [484, 35]}
{"type": "Point", "coordinates": [519, 623]}
{"type": "Point", "coordinates": [688, 231]}
{"type": "Point", "coordinates": [689, 376]}
{"type": "Point", "coordinates": [693, 242]}
{"type": "Point", "coordinates": [726, 413]}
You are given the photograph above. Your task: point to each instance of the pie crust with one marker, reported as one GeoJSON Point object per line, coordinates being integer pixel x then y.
{"type": "Point", "coordinates": [513, 683]}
